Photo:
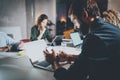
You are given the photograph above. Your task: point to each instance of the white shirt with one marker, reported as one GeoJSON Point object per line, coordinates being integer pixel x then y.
{"type": "Point", "coordinates": [5, 40]}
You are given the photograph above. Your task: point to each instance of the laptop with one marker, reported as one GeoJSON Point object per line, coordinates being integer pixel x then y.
{"type": "Point", "coordinates": [34, 50]}
{"type": "Point", "coordinates": [77, 42]}
{"type": "Point", "coordinates": [57, 40]}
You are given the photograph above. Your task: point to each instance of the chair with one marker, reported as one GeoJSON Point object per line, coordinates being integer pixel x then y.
{"type": "Point", "coordinates": [67, 33]}
{"type": "Point", "coordinates": [25, 40]}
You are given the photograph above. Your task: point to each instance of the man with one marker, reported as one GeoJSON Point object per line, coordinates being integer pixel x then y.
{"type": "Point", "coordinates": [100, 56]}
{"type": "Point", "coordinates": [8, 44]}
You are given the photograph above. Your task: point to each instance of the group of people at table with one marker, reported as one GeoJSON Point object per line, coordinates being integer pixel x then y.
{"type": "Point", "coordinates": [100, 55]}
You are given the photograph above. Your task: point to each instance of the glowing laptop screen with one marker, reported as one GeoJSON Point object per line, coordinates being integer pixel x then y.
{"type": "Point", "coordinates": [76, 38]}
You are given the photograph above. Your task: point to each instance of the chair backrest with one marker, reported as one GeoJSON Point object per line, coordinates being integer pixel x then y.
{"type": "Point", "coordinates": [25, 40]}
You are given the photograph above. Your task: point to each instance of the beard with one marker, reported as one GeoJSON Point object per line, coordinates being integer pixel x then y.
{"type": "Point", "coordinates": [84, 28]}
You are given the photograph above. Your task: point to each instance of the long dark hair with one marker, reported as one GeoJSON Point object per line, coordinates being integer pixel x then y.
{"type": "Point", "coordinates": [41, 18]}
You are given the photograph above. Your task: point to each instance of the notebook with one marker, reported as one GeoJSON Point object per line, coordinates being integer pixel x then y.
{"type": "Point", "coordinates": [76, 39]}
{"type": "Point", "coordinates": [34, 50]}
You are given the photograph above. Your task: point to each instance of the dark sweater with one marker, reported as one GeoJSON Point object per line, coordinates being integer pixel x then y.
{"type": "Point", "coordinates": [35, 33]}
{"type": "Point", "coordinates": [100, 55]}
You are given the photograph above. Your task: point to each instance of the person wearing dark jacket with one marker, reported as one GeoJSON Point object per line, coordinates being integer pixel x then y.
{"type": "Point", "coordinates": [100, 55]}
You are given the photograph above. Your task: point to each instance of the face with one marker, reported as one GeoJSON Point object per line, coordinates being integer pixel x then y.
{"type": "Point", "coordinates": [81, 23]}
{"type": "Point", "coordinates": [75, 21]}
{"type": "Point", "coordinates": [44, 23]}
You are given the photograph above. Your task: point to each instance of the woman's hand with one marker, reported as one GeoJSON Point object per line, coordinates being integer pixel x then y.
{"type": "Point", "coordinates": [41, 34]}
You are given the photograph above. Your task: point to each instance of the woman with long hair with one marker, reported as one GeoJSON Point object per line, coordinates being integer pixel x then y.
{"type": "Point", "coordinates": [40, 30]}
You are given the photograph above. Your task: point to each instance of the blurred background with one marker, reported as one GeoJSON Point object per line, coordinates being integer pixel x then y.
{"type": "Point", "coordinates": [18, 16]}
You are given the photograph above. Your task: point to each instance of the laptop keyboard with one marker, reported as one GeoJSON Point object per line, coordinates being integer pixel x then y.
{"type": "Point", "coordinates": [44, 63]}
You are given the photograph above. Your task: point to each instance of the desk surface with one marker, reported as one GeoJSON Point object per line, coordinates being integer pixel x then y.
{"type": "Point", "coordinates": [68, 50]}
{"type": "Point", "coordinates": [20, 68]}
{"type": "Point", "coordinates": [16, 67]}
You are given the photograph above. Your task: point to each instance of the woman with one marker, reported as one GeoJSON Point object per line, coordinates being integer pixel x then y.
{"type": "Point", "coordinates": [40, 31]}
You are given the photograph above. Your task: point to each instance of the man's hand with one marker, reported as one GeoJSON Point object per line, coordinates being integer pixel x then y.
{"type": "Point", "coordinates": [62, 56]}
{"type": "Point", "coordinates": [50, 57]}
{"type": "Point", "coordinates": [66, 57]}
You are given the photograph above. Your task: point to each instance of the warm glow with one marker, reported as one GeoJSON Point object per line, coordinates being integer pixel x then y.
{"type": "Point", "coordinates": [63, 19]}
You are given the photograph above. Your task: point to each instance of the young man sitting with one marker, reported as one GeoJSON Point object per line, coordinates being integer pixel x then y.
{"type": "Point", "coordinates": [9, 44]}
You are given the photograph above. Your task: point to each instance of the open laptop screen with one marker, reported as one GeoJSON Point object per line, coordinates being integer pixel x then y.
{"type": "Point", "coordinates": [34, 50]}
{"type": "Point", "coordinates": [57, 40]}
{"type": "Point", "coordinates": [76, 38]}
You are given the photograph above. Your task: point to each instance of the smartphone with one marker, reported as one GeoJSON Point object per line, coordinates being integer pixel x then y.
{"type": "Point", "coordinates": [49, 49]}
